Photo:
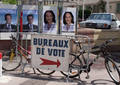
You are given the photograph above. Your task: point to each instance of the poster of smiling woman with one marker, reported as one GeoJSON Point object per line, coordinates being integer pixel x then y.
{"type": "Point", "coordinates": [8, 18]}
{"type": "Point", "coordinates": [50, 19]}
{"type": "Point", "coordinates": [68, 20]}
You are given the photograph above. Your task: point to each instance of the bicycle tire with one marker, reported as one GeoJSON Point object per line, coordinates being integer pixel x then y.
{"type": "Point", "coordinates": [45, 72]}
{"type": "Point", "coordinates": [112, 70]}
{"type": "Point", "coordinates": [11, 65]}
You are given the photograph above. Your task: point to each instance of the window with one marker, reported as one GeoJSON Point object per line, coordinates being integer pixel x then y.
{"type": "Point", "coordinates": [118, 8]}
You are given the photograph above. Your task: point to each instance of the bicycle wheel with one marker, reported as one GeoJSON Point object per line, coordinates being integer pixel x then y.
{"type": "Point", "coordinates": [10, 64]}
{"type": "Point", "coordinates": [112, 70]}
{"type": "Point", "coordinates": [75, 65]}
{"type": "Point", "coordinates": [45, 72]}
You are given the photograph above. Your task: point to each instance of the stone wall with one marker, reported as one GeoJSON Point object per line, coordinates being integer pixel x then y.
{"type": "Point", "coordinates": [98, 36]}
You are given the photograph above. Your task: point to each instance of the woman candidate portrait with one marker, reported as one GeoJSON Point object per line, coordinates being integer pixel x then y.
{"type": "Point", "coordinates": [49, 22]}
{"type": "Point", "coordinates": [68, 21]}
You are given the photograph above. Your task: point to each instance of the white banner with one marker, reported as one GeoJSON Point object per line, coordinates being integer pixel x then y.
{"type": "Point", "coordinates": [50, 52]}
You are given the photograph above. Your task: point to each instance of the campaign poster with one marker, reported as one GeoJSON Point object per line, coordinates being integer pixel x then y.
{"type": "Point", "coordinates": [30, 20]}
{"type": "Point", "coordinates": [8, 20]}
{"type": "Point", "coordinates": [68, 20]}
{"type": "Point", "coordinates": [50, 20]}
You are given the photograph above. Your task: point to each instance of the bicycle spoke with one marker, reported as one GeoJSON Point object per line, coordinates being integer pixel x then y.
{"type": "Point", "coordinates": [10, 64]}
{"type": "Point", "coordinates": [112, 70]}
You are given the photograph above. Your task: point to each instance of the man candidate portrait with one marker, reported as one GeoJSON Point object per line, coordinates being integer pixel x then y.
{"type": "Point", "coordinates": [30, 27]}
{"type": "Point", "coordinates": [8, 26]}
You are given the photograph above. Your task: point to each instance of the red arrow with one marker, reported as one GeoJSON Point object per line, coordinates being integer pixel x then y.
{"type": "Point", "coordinates": [49, 62]}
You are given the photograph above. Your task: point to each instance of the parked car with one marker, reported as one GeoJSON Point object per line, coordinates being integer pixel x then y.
{"type": "Point", "coordinates": [101, 20]}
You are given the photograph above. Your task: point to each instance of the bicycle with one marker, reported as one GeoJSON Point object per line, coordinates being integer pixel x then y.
{"type": "Point", "coordinates": [85, 64]}
{"type": "Point", "coordinates": [49, 72]}
{"type": "Point", "coordinates": [12, 59]}
{"type": "Point", "coordinates": [74, 70]}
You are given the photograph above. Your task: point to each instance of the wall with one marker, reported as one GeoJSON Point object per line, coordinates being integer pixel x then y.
{"type": "Point", "coordinates": [98, 36]}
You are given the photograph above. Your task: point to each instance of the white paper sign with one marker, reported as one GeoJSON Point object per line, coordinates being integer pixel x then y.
{"type": "Point", "coordinates": [50, 52]}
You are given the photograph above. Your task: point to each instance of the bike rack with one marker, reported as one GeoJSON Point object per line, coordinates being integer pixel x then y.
{"type": "Point", "coordinates": [85, 42]}
{"type": "Point", "coordinates": [25, 41]}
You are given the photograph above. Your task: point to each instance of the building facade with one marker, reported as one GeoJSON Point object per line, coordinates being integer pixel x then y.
{"type": "Point", "coordinates": [93, 5]}
{"type": "Point", "coordinates": [101, 5]}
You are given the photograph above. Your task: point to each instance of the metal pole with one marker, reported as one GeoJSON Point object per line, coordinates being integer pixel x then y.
{"type": "Point", "coordinates": [60, 7]}
{"type": "Point", "coordinates": [107, 6]}
{"type": "Point", "coordinates": [40, 13]}
{"type": "Point", "coordinates": [83, 8]}
{"type": "Point", "coordinates": [76, 26]}
{"type": "Point", "coordinates": [19, 9]}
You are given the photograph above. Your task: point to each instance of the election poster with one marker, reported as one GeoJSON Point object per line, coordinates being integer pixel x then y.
{"type": "Point", "coordinates": [8, 18]}
{"type": "Point", "coordinates": [68, 20]}
{"type": "Point", "coordinates": [50, 20]}
{"type": "Point", "coordinates": [50, 52]}
{"type": "Point", "coordinates": [30, 18]}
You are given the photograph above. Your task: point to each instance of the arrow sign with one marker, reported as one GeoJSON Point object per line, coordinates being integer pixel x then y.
{"type": "Point", "coordinates": [49, 62]}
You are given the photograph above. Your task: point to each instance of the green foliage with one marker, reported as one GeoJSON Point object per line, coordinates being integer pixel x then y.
{"type": "Point", "coordinates": [9, 1]}
{"type": "Point", "coordinates": [86, 13]}
{"type": "Point", "coordinates": [101, 5]}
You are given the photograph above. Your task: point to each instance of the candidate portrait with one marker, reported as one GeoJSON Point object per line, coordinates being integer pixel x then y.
{"type": "Point", "coordinates": [49, 22]}
{"type": "Point", "coordinates": [8, 26]}
{"type": "Point", "coordinates": [30, 27]}
{"type": "Point", "coordinates": [68, 22]}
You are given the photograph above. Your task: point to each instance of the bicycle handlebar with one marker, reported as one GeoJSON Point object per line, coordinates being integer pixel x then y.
{"type": "Point", "coordinates": [104, 44]}
{"type": "Point", "coordinates": [12, 37]}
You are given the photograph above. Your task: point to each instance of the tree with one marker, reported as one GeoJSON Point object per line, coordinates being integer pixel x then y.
{"type": "Point", "coordinates": [102, 5]}
{"type": "Point", "coordinates": [10, 1]}
{"type": "Point", "coordinates": [87, 13]}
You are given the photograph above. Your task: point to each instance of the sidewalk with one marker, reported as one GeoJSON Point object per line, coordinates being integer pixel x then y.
{"type": "Point", "coordinates": [10, 80]}
{"type": "Point", "coordinates": [97, 77]}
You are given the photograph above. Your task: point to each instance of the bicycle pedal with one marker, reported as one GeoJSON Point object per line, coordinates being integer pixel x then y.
{"type": "Point", "coordinates": [73, 72]}
{"type": "Point", "coordinates": [29, 60]}
{"type": "Point", "coordinates": [87, 77]}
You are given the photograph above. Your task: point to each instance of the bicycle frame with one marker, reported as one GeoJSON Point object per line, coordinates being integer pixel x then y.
{"type": "Point", "coordinates": [19, 48]}
{"type": "Point", "coordinates": [23, 51]}
{"type": "Point", "coordinates": [17, 51]}
{"type": "Point", "coordinates": [103, 52]}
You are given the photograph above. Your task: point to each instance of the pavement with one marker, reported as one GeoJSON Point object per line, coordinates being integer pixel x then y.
{"type": "Point", "coordinates": [98, 76]}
